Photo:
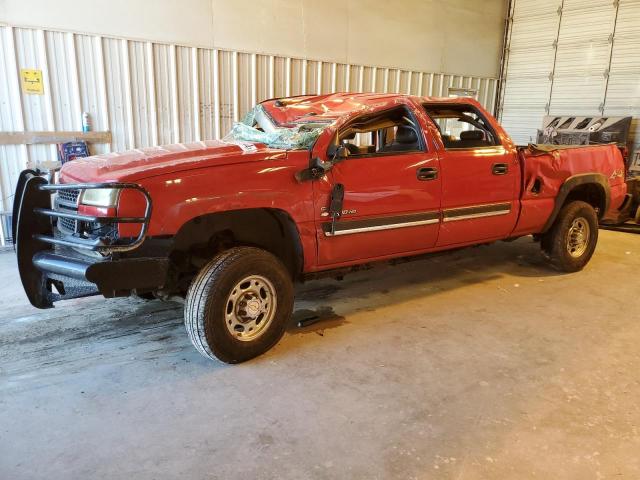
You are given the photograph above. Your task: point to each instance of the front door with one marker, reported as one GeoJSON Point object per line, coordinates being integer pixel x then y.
{"type": "Point", "coordinates": [392, 189]}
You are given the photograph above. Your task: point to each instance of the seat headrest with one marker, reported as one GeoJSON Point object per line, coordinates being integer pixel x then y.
{"type": "Point", "coordinates": [472, 135]}
{"type": "Point", "coordinates": [406, 134]}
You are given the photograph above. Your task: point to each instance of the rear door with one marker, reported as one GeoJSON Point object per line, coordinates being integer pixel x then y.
{"type": "Point", "coordinates": [392, 189]}
{"type": "Point", "coordinates": [480, 177]}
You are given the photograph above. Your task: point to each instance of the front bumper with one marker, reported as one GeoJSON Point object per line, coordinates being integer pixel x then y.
{"type": "Point", "coordinates": [51, 269]}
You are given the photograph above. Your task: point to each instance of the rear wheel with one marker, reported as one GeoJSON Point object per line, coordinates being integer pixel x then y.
{"type": "Point", "coordinates": [571, 241]}
{"type": "Point", "coordinates": [239, 304]}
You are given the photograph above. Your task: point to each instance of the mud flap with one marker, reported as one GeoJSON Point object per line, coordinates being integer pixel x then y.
{"type": "Point", "coordinates": [633, 187]}
{"type": "Point", "coordinates": [629, 217]}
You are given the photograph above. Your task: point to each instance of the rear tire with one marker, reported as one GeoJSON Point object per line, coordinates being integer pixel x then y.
{"type": "Point", "coordinates": [572, 239]}
{"type": "Point", "coordinates": [239, 304]}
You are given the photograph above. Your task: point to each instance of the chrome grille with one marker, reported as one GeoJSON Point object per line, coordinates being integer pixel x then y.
{"type": "Point", "coordinates": [67, 200]}
{"type": "Point", "coordinates": [67, 224]}
{"type": "Point", "coordinates": [69, 195]}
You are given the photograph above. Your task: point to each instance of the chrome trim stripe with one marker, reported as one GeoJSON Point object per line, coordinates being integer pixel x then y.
{"type": "Point", "coordinates": [476, 215]}
{"type": "Point", "coordinates": [476, 211]}
{"type": "Point", "coordinates": [416, 220]}
{"type": "Point", "coordinates": [381, 227]}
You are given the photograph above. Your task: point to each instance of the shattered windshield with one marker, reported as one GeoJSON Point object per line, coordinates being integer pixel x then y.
{"type": "Point", "coordinates": [257, 127]}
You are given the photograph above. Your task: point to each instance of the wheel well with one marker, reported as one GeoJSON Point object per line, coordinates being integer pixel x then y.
{"type": "Point", "coordinates": [591, 193]}
{"type": "Point", "coordinates": [202, 237]}
{"type": "Point", "coordinates": [591, 188]}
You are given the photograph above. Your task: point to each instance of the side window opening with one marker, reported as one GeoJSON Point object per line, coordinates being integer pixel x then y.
{"type": "Point", "coordinates": [384, 133]}
{"type": "Point", "coordinates": [461, 126]}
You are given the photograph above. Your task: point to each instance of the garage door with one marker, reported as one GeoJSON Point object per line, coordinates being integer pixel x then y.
{"type": "Point", "coordinates": [531, 56]}
{"type": "Point", "coordinates": [578, 57]}
{"type": "Point", "coordinates": [623, 91]}
{"type": "Point", "coordinates": [582, 57]}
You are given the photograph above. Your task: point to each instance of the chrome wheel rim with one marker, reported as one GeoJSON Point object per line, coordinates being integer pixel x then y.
{"type": "Point", "coordinates": [578, 237]}
{"type": "Point", "coordinates": [250, 308]}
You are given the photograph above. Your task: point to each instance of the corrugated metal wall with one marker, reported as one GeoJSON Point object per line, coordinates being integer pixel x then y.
{"type": "Point", "coordinates": [150, 93]}
{"type": "Point", "coordinates": [571, 57]}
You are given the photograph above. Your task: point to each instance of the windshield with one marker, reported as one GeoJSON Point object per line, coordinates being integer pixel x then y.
{"type": "Point", "coordinates": [257, 127]}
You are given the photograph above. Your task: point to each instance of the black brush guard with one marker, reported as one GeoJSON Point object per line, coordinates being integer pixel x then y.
{"type": "Point", "coordinates": [46, 261]}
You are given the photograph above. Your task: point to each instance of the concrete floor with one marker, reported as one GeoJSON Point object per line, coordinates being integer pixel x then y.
{"type": "Point", "coordinates": [479, 364]}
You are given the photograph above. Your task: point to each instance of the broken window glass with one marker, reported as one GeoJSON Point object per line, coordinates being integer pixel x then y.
{"type": "Point", "coordinates": [257, 127]}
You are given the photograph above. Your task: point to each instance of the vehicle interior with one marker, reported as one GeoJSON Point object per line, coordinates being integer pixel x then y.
{"type": "Point", "coordinates": [384, 133]}
{"type": "Point", "coordinates": [461, 126]}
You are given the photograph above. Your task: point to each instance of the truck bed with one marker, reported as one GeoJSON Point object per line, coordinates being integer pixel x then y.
{"type": "Point", "coordinates": [546, 168]}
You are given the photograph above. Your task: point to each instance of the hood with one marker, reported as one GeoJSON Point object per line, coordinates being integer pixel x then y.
{"type": "Point", "coordinates": [148, 162]}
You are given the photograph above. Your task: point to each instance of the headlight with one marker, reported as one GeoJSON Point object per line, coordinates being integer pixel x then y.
{"type": "Point", "coordinates": [100, 197]}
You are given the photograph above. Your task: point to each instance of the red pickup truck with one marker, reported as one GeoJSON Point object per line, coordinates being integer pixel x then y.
{"type": "Point", "coordinates": [303, 186]}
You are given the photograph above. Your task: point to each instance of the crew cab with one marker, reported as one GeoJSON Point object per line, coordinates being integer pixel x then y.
{"type": "Point", "coordinates": [303, 186]}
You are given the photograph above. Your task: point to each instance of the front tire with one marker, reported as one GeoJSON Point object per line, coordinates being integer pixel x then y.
{"type": "Point", "coordinates": [572, 239]}
{"type": "Point", "coordinates": [239, 304]}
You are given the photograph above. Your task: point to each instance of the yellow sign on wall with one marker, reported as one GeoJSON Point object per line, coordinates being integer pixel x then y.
{"type": "Point", "coordinates": [32, 81]}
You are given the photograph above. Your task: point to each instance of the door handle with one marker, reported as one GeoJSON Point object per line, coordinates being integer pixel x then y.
{"type": "Point", "coordinates": [427, 173]}
{"type": "Point", "coordinates": [500, 169]}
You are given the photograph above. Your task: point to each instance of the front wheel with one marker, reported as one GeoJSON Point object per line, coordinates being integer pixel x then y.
{"type": "Point", "coordinates": [239, 304]}
{"type": "Point", "coordinates": [571, 241]}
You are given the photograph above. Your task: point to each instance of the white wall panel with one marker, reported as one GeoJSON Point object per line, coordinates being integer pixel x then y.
{"type": "Point", "coordinates": [13, 158]}
{"type": "Point", "coordinates": [92, 84]}
{"type": "Point", "coordinates": [142, 96]}
{"type": "Point", "coordinates": [149, 93]}
{"type": "Point", "coordinates": [245, 81]}
{"type": "Point", "coordinates": [462, 36]}
{"type": "Point", "coordinates": [118, 92]}
{"type": "Point", "coordinates": [30, 50]}
{"type": "Point", "coordinates": [207, 90]}
{"type": "Point", "coordinates": [165, 81]}
{"type": "Point", "coordinates": [188, 93]}
{"type": "Point", "coordinates": [226, 82]}
{"type": "Point", "coordinates": [63, 79]}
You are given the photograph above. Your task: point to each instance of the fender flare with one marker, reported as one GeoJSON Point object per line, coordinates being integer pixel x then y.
{"type": "Point", "coordinates": [576, 181]}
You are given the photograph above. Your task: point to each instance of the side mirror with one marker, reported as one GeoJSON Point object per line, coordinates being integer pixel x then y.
{"type": "Point", "coordinates": [318, 167]}
{"type": "Point", "coordinates": [342, 152]}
